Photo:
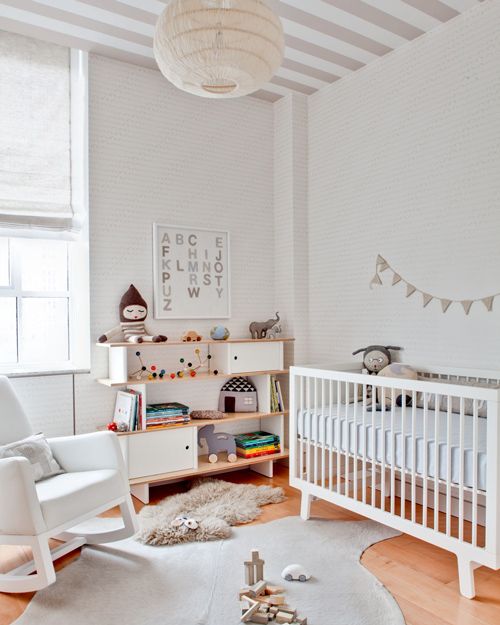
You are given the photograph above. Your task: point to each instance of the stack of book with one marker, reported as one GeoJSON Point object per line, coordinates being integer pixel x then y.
{"type": "Point", "coordinates": [255, 444]}
{"type": "Point", "coordinates": [171, 413]}
{"type": "Point", "coordinates": [277, 404]}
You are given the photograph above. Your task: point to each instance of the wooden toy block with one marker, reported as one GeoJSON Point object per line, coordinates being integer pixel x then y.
{"type": "Point", "coordinates": [287, 610]}
{"type": "Point", "coordinates": [253, 606]}
{"type": "Point", "coordinates": [284, 617]}
{"type": "Point", "coordinates": [243, 592]}
{"type": "Point", "coordinates": [274, 590]}
{"type": "Point", "coordinates": [259, 618]}
{"type": "Point", "coordinates": [273, 610]}
{"type": "Point", "coordinates": [258, 589]}
{"type": "Point", "coordinates": [302, 621]}
{"type": "Point", "coordinates": [276, 599]}
{"type": "Point", "coordinates": [263, 608]}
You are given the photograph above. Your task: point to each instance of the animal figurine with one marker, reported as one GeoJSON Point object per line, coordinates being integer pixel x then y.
{"type": "Point", "coordinates": [376, 357]}
{"type": "Point", "coordinates": [274, 332]}
{"type": "Point", "coordinates": [133, 312]}
{"type": "Point", "coordinates": [219, 333]}
{"type": "Point", "coordinates": [259, 329]}
{"type": "Point", "coordinates": [396, 370]}
{"type": "Point", "coordinates": [191, 336]}
{"type": "Point", "coordinates": [217, 442]}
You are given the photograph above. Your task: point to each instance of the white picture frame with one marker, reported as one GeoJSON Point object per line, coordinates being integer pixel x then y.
{"type": "Point", "coordinates": [191, 273]}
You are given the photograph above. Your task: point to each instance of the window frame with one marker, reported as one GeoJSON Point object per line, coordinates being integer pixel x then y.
{"type": "Point", "coordinates": [78, 245]}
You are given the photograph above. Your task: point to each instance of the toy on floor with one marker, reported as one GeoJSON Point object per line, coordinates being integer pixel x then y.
{"type": "Point", "coordinates": [219, 333]}
{"type": "Point", "coordinates": [259, 329]}
{"type": "Point", "coordinates": [191, 336]}
{"type": "Point", "coordinates": [133, 312]}
{"type": "Point", "coordinates": [217, 442]}
{"type": "Point", "coordinates": [266, 603]}
{"type": "Point", "coordinates": [295, 572]}
{"type": "Point", "coordinates": [376, 357]}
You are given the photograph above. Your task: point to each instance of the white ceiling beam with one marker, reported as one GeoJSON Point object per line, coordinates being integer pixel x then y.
{"type": "Point", "coordinates": [461, 5]}
{"type": "Point", "coordinates": [314, 61]}
{"type": "Point", "coordinates": [304, 79]}
{"type": "Point", "coordinates": [151, 6]}
{"type": "Point", "coordinates": [325, 41]}
{"type": "Point", "coordinates": [348, 20]}
{"type": "Point", "coordinates": [406, 13]}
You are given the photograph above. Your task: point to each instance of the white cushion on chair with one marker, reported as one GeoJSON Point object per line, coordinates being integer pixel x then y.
{"type": "Point", "coordinates": [71, 495]}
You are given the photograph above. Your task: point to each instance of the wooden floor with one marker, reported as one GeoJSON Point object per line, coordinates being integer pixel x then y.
{"type": "Point", "coordinates": [422, 578]}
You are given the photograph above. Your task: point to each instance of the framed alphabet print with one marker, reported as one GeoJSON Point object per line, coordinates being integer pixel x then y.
{"type": "Point", "coordinates": [191, 273]}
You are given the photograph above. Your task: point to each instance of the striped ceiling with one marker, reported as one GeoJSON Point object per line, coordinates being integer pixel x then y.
{"type": "Point", "coordinates": [325, 39]}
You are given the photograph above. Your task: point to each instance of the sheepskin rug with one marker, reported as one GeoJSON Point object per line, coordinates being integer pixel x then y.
{"type": "Point", "coordinates": [214, 505]}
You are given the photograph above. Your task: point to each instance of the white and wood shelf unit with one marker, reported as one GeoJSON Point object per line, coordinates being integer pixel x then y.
{"type": "Point", "coordinates": [171, 453]}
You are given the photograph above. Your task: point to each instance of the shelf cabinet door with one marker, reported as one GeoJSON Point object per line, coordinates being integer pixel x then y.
{"type": "Point", "coordinates": [160, 451]}
{"type": "Point", "coordinates": [255, 357]}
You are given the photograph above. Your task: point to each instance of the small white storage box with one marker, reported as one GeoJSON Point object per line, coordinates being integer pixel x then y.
{"type": "Point", "coordinates": [246, 357]}
{"type": "Point", "coordinates": [160, 451]}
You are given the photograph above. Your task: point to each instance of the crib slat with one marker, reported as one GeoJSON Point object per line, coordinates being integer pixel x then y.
{"type": "Point", "coordinates": [382, 450]}
{"type": "Point", "coordinates": [337, 436]}
{"type": "Point", "coordinates": [347, 440]}
{"type": "Point", "coordinates": [448, 466]}
{"type": "Point", "coordinates": [315, 439]}
{"type": "Point", "coordinates": [425, 468]}
{"type": "Point", "coordinates": [403, 460]}
{"type": "Point", "coordinates": [323, 432]}
{"type": "Point", "coordinates": [374, 448]}
{"type": "Point", "coordinates": [309, 421]}
{"type": "Point", "coordinates": [437, 406]}
{"type": "Point", "coordinates": [330, 420]}
{"type": "Point", "coordinates": [475, 425]}
{"type": "Point", "coordinates": [355, 425]}
{"type": "Point", "coordinates": [413, 457]}
{"type": "Point", "coordinates": [393, 453]}
{"type": "Point", "coordinates": [365, 391]}
{"type": "Point", "coordinates": [302, 427]}
{"type": "Point", "coordinates": [461, 474]}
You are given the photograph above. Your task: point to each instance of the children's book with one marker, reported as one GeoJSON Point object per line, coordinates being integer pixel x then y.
{"type": "Point", "coordinates": [124, 407]}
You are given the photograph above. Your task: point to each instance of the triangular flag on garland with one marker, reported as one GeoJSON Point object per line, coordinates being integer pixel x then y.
{"type": "Point", "coordinates": [467, 303]}
{"type": "Point", "coordinates": [426, 298]}
{"type": "Point", "coordinates": [395, 279]}
{"type": "Point", "coordinates": [488, 302]}
{"type": "Point", "coordinates": [382, 264]}
{"type": "Point", "coordinates": [410, 289]}
{"type": "Point", "coordinates": [375, 280]}
{"type": "Point", "coordinates": [445, 304]}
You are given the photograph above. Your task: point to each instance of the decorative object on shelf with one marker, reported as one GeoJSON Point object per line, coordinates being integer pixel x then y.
{"type": "Point", "coordinates": [218, 49]}
{"type": "Point", "coordinates": [238, 395]}
{"type": "Point", "coordinates": [254, 444]}
{"type": "Point", "coordinates": [296, 573]}
{"type": "Point", "coordinates": [219, 333]}
{"type": "Point", "coordinates": [274, 332]}
{"type": "Point", "coordinates": [213, 415]}
{"type": "Point", "coordinates": [376, 357]}
{"type": "Point", "coordinates": [259, 329]}
{"type": "Point", "coordinates": [133, 312]}
{"type": "Point", "coordinates": [382, 265]}
{"type": "Point", "coordinates": [191, 273]}
{"type": "Point", "coordinates": [112, 427]}
{"type": "Point", "coordinates": [187, 368]}
{"type": "Point", "coordinates": [396, 370]}
{"type": "Point", "coordinates": [149, 373]}
{"type": "Point", "coordinates": [214, 504]}
{"type": "Point", "coordinates": [191, 336]}
{"type": "Point", "coordinates": [126, 406]}
{"type": "Point", "coordinates": [217, 442]}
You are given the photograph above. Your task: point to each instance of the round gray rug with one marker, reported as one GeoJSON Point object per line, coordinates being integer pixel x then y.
{"type": "Point", "coordinates": [128, 583]}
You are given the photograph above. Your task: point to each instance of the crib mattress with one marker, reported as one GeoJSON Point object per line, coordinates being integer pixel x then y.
{"type": "Point", "coordinates": [324, 429]}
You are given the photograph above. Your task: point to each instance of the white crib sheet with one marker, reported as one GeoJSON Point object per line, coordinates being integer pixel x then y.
{"type": "Point", "coordinates": [324, 428]}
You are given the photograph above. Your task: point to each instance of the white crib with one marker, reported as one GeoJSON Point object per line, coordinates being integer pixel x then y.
{"type": "Point", "coordinates": [430, 469]}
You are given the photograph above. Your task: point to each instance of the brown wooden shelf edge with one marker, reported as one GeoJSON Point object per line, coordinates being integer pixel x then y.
{"type": "Point", "coordinates": [206, 468]}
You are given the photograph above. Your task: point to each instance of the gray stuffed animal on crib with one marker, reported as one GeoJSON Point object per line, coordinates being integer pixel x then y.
{"type": "Point", "coordinates": [376, 357]}
{"type": "Point", "coordinates": [217, 442]}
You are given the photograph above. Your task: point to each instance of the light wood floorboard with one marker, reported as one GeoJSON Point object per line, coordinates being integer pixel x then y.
{"type": "Point", "coordinates": [422, 578]}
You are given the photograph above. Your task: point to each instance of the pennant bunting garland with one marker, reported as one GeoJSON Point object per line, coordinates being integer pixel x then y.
{"type": "Point", "coordinates": [382, 265]}
{"type": "Point", "coordinates": [426, 298]}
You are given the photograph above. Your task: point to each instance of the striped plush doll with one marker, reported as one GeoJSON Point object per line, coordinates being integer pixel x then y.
{"type": "Point", "coordinates": [133, 312]}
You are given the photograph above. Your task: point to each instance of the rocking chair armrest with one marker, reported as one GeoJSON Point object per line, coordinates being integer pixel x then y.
{"type": "Point", "coordinates": [20, 512]}
{"type": "Point", "coordinates": [89, 452]}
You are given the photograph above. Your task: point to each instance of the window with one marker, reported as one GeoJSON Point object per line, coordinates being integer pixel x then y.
{"type": "Point", "coordinates": [44, 308]}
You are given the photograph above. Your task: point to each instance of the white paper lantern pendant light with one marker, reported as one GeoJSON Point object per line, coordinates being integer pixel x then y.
{"type": "Point", "coordinates": [218, 48]}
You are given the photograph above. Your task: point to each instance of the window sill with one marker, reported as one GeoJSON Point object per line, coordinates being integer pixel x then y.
{"type": "Point", "coordinates": [32, 372]}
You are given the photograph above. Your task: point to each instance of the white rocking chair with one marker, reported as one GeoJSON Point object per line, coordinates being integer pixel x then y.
{"type": "Point", "coordinates": [31, 513]}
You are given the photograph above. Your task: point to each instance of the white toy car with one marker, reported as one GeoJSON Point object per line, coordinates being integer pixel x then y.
{"type": "Point", "coordinates": [295, 572]}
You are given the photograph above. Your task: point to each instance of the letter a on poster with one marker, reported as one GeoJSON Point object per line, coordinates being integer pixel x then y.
{"type": "Point", "coordinates": [190, 273]}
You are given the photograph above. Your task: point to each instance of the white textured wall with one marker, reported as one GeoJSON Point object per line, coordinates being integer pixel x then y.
{"type": "Point", "coordinates": [405, 162]}
{"type": "Point", "coordinates": [157, 154]}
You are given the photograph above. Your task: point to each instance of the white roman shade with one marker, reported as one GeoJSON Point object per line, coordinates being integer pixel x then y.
{"type": "Point", "coordinates": [35, 135]}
